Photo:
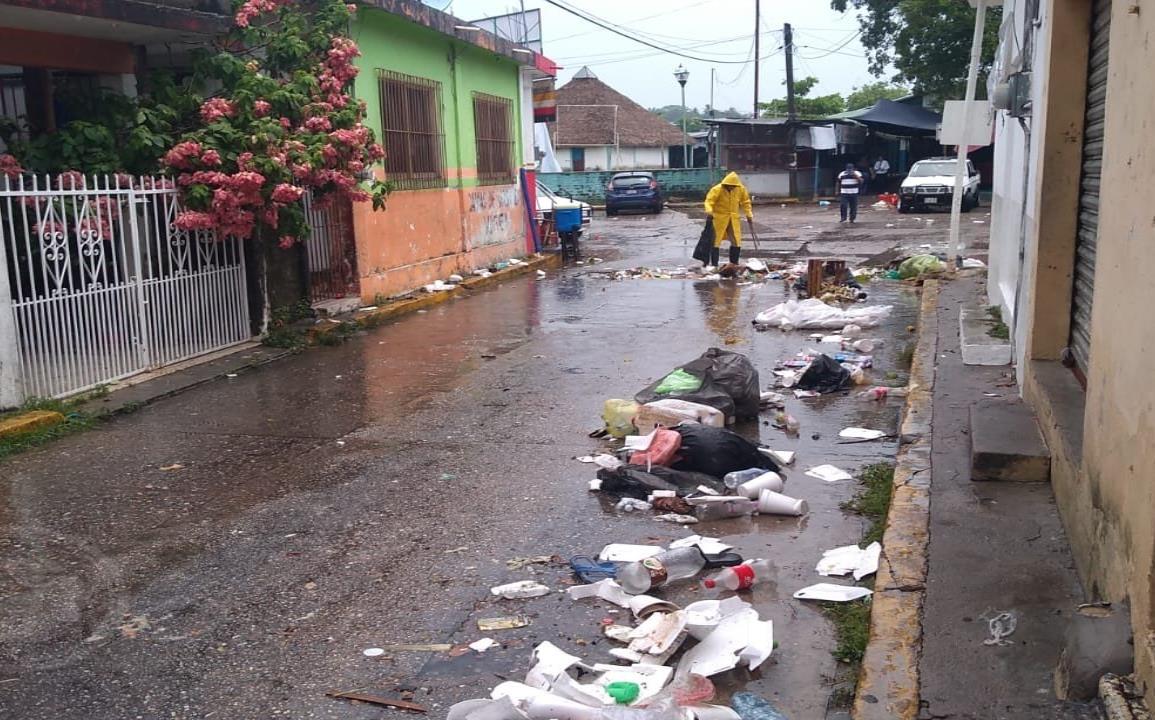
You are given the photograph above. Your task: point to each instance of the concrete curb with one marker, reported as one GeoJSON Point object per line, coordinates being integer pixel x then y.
{"type": "Point", "coordinates": [28, 421]}
{"type": "Point", "coordinates": [404, 306]}
{"type": "Point", "coordinates": [888, 682]}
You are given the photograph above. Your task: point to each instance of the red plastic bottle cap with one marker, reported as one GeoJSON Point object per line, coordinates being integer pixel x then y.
{"type": "Point", "coordinates": [708, 582]}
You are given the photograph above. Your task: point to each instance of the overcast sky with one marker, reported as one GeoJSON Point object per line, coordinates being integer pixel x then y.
{"type": "Point", "coordinates": [719, 30]}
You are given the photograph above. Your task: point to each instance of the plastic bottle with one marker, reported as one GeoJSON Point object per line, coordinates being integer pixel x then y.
{"type": "Point", "coordinates": [668, 566]}
{"type": "Point", "coordinates": [736, 478]}
{"type": "Point", "coordinates": [754, 707]}
{"type": "Point", "coordinates": [726, 507]}
{"type": "Point", "coordinates": [741, 577]}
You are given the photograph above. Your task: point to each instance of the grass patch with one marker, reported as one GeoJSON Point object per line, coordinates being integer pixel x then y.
{"type": "Point", "coordinates": [851, 622]}
{"type": "Point", "coordinates": [873, 500]}
{"type": "Point", "coordinates": [75, 420]}
{"type": "Point", "coordinates": [998, 328]}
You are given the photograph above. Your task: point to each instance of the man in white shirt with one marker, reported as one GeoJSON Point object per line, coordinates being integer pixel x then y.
{"type": "Point", "coordinates": [880, 173]}
{"type": "Point", "coordinates": [849, 184]}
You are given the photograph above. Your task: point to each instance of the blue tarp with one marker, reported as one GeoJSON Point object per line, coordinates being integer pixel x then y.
{"type": "Point", "coordinates": [896, 117]}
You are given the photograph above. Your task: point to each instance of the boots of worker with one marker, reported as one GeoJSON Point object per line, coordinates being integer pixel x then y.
{"type": "Point", "coordinates": [735, 253]}
{"type": "Point", "coordinates": [715, 253]}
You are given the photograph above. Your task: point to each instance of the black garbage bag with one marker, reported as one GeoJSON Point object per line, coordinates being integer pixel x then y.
{"type": "Point", "coordinates": [825, 375]}
{"type": "Point", "coordinates": [729, 383]}
{"type": "Point", "coordinates": [632, 481]}
{"type": "Point", "coordinates": [705, 243]}
{"type": "Point", "coordinates": [687, 480]}
{"type": "Point", "coordinates": [717, 451]}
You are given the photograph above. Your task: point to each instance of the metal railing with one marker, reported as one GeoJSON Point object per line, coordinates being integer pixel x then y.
{"type": "Point", "coordinates": [97, 284]}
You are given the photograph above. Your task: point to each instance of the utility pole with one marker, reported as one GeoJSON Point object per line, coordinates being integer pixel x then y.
{"type": "Point", "coordinates": [757, 49]}
{"type": "Point", "coordinates": [788, 48]}
{"type": "Point", "coordinates": [956, 247]}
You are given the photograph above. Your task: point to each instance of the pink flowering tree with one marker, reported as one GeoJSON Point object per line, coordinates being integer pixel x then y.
{"type": "Point", "coordinates": [282, 124]}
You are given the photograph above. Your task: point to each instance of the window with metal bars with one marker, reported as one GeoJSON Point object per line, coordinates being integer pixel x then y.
{"type": "Point", "coordinates": [411, 126]}
{"type": "Point", "coordinates": [493, 128]}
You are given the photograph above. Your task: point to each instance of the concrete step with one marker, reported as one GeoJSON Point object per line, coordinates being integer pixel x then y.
{"type": "Point", "coordinates": [978, 346]}
{"type": "Point", "coordinates": [1006, 443]}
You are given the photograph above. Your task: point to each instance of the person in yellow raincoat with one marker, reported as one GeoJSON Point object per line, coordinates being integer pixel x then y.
{"type": "Point", "coordinates": [723, 203]}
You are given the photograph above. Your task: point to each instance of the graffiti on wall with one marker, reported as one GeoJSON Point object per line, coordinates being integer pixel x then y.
{"type": "Point", "coordinates": [494, 215]}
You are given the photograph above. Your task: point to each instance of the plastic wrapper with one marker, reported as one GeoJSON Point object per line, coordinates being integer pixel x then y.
{"type": "Point", "coordinates": [812, 313]}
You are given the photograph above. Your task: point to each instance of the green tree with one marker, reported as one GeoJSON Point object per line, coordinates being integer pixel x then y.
{"type": "Point", "coordinates": [808, 108]}
{"type": "Point", "coordinates": [927, 41]}
{"type": "Point", "coordinates": [870, 93]}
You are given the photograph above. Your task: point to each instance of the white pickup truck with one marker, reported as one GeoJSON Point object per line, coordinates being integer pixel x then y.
{"type": "Point", "coordinates": [930, 184]}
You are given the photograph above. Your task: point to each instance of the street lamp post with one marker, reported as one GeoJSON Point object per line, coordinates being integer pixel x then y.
{"type": "Point", "coordinates": [682, 75]}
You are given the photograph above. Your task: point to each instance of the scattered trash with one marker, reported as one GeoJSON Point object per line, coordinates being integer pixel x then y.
{"type": "Point", "coordinates": [590, 570]}
{"type": "Point", "coordinates": [438, 286]}
{"type": "Point", "coordinates": [741, 577]}
{"type": "Point", "coordinates": [373, 652]}
{"type": "Point", "coordinates": [541, 274]}
{"type": "Point", "coordinates": [813, 313]}
{"type": "Point", "coordinates": [857, 433]}
{"type": "Point", "coordinates": [825, 375]}
{"type": "Point", "coordinates": [168, 468]}
{"type": "Point", "coordinates": [632, 505]}
{"type": "Point", "coordinates": [829, 473]}
{"type": "Point", "coordinates": [607, 590]}
{"type": "Point", "coordinates": [920, 265]}
{"type": "Point", "coordinates": [520, 590]}
{"type": "Point", "coordinates": [804, 394]}
{"type": "Point", "coordinates": [721, 379]}
{"type": "Point", "coordinates": [426, 647]}
{"type": "Point", "coordinates": [640, 482]}
{"type": "Point", "coordinates": [766, 481]}
{"type": "Point", "coordinates": [782, 457]}
{"type": "Point", "coordinates": [754, 707]}
{"type": "Point", "coordinates": [672, 411]}
{"type": "Point", "coordinates": [623, 693]}
{"type": "Point", "coordinates": [669, 566]}
{"type": "Point", "coordinates": [720, 507]}
{"type": "Point", "coordinates": [772, 399]}
{"type": "Point", "coordinates": [455, 279]}
{"type": "Point", "coordinates": [518, 563]}
{"type": "Point", "coordinates": [850, 559]}
{"type": "Point", "coordinates": [378, 700]}
{"type": "Point", "coordinates": [483, 644]}
{"type": "Point", "coordinates": [739, 637]}
{"type": "Point", "coordinates": [660, 450]}
{"type": "Point", "coordinates": [676, 518]}
{"type": "Point", "coordinates": [675, 505]}
{"type": "Point", "coordinates": [717, 451]}
{"type": "Point", "coordinates": [503, 623]}
{"type": "Point", "coordinates": [618, 633]}
{"type": "Point", "coordinates": [709, 545]}
{"type": "Point", "coordinates": [619, 416]}
{"type": "Point", "coordinates": [832, 593]}
{"type": "Point", "coordinates": [973, 263]}
{"type": "Point", "coordinates": [620, 552]}
{"type": "Point", "coordinates": [1001, 626]}
{"type": "Point", "coordinates": [774, 503]}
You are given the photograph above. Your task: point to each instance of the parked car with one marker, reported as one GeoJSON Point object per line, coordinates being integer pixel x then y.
{"type": "Point", "coordinates": [930, 183]}
{"type": "Point", "coordinates": [633, 191]}
{"type": "Point", "coordinates": [547, 200]}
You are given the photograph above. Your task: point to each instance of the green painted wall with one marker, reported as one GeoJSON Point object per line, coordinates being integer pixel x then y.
{"type": "Point", "coordinates": [692, 184]}
{"type": "Point", "coordinates": [389, 42]}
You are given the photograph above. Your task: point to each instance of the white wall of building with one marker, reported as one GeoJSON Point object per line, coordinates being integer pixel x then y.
{"type": "Point", "coordinates": [610, 158]}
{"type": "Point", "coordinates": [1013, 207]}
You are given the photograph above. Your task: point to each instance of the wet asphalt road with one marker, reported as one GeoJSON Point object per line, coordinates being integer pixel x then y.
{"type": "Point", "coordinates": [230, 551]}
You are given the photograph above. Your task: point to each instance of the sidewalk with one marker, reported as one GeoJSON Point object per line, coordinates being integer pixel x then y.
{"type": "Point", "coordinates": [993, 547]}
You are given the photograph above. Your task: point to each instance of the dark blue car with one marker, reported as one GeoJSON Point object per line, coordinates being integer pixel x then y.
{"type": "Point", "coordinates": [633, 191]}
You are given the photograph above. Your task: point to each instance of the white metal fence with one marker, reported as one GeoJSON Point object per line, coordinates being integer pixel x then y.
{"type": "Point", "coordinates": [98, 284]}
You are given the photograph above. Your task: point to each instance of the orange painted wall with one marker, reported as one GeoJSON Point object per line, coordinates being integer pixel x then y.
{"type": "Point", "coordinates": [425, 235]}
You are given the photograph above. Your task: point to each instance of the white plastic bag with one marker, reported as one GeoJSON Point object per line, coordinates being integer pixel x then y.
{"type": "Point", "coordinates": [813, 313]}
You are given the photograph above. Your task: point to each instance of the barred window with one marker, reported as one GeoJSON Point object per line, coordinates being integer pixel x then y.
{"type": "Point", "coordinates": [493, 128]}
{"type": "Point", "coordinates": [411, 124]}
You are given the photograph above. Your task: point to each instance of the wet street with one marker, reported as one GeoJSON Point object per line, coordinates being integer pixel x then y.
{"type": "Point", "coordinates": [229, 552]}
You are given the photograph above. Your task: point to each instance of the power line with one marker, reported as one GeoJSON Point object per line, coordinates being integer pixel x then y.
{"type": "Point", "coordinates": [832, 51]}
{"type": "Point", "coordinates": [644, 17]}
{"type": "Point", "coordinates": [623, 53]}
{"type": "Point", "coordinates": [605, 25]}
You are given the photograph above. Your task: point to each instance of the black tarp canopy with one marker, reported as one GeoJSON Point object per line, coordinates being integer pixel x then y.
{"type": "Point", "coordinates": [895, 118]}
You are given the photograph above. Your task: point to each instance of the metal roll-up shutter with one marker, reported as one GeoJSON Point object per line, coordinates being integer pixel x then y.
{"type": "Point", "coordinates": [1093, 133]}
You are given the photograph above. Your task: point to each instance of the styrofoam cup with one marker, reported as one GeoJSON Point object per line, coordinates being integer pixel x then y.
{"type": "Point", "coordinates": [772, 503]}
{"type": "Point", "coordinates": [766, 481]}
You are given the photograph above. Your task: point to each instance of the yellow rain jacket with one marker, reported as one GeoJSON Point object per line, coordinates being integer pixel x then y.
{"type": "Point", "coordinates": [723, 205]}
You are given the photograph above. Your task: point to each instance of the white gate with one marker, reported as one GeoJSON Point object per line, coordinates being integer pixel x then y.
{"type": "Point", "coordinates": [98, 284]}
